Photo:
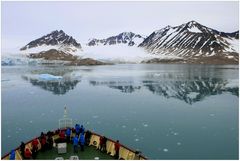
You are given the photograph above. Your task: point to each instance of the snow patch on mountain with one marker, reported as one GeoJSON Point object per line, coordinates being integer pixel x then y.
{"type": "Point", "coordinates": [195, 29]}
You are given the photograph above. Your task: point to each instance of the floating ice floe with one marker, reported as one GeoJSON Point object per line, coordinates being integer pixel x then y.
{"type": "Point", "coordinates": [175, 133]}
{"type": "Point", "coordinates": [136, 140]}
{"type": "Point", "coordinates": [124, 126]}
{"type": "Point", "coordinates": [134, 129]}
{"type": "Point", "coordinates": [212, 115]}
{"type": "Point", "coordinates": [95, 116]}
{"type": "Point", "coordinates": [30, 121]}
{"type": "Point", "coordinates": [49, 77]}
{"type": "Point", "coordinates": [165, 150]}
{"type": "Point", "coordinates": [178, 143]}
{"type": "Point", "coordinates": [145, 125]}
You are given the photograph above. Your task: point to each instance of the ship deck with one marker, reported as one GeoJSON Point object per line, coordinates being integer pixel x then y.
{"type": "Point", "coordinates": [89, 153]}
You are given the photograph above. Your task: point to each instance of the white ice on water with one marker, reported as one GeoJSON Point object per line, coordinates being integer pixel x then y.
{"type": "Point", "coordinates": [49, 77]}
{"type": "Point", "coordinates": [165, 150]}
{"type": "Point", "coordinates": [178, 143]}
{"type": "Point", "coordinates": [145, 125]}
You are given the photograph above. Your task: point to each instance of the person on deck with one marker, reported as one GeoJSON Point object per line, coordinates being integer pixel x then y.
{"type": "Point", "coordinates": [77, 129]}
{"type": "Point", "coordinates": [117, 147]}
{"type": "Point", "coordinates": [50, 141]}
{"type": "Point", "coordinates": [104, 144]}
{"type": "Point", "coordinates": [34, 149]}
{"type": "Point", "coordinates": [75, 143]}
{"type": "Point", "coordinates": [43, 143]}
{"type": "Point", "coordinates": [22, 149]}
{"type": "Point", "coordinates": [82, 141]}
{"type": "Point", "coordinates": [12, 155]}
{"type": "Point", "coordinates": [28, 154]}
{"type": "Point", "coordinates": [87, 137]}
{"type": "Point", "coordinates": [68, 134]}
{"type": "Point", "coordinates": [100, 143]}
{"type": "Point", "coordinates": [82, 129]}
{"type": "Point", "coordinates": [62, 136]}
{"type": "Point", "coordinates": [35, 144]}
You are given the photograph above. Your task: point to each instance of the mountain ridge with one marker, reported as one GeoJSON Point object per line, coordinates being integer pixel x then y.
{"type": "Point", "coordinates": [129, 38]}
{"type": "Point", "coordinates": [55, 38]}
{"type": "Point", "coordinates": [190, 39]}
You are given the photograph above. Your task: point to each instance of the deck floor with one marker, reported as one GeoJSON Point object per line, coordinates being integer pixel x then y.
{"type": "Point", "coordinates": [89, 153]}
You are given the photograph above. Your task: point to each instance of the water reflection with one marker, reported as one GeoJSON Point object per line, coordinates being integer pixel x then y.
{"type": "Point", "coordinates": [123, 86]}
{"type": "Point", "coordinates": [187, 90]}
{"type": "Point", "coordinates": [69, 80]}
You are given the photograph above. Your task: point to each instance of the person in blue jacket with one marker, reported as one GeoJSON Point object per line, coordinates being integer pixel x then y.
{"type": "Point", "coordinates": [12, 155]}
{"type": "Point", "coordinates": [68, 134]}
{"type": "Point", "coordinates": [82, 129]}
{"type": "Point", "coordinates": [77, 129]}
{"type": "Point", "coordinates": [82, 141]}
{"type": "Point", "coordinates": [75, 143]}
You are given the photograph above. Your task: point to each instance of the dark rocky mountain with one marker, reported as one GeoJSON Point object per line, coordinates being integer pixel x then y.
{"type": "Point", "coordinates": [192, 41]}
{"type": "Point", "coordinates": [128, 38]}
{"type": "Point", "coordinates": [53, 39]}
{"type": "Point", "coordinates": [58, 46]}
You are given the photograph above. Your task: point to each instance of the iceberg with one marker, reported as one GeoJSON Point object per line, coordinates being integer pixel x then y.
{"type": "Point", "coordinates": [49, 77]}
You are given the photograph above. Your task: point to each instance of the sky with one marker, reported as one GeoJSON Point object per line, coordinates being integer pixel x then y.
{"type": "Point", "coordinates": [23, 22]}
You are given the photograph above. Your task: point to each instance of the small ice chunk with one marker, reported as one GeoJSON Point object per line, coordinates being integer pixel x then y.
{"type": "Point", "coordinates": [30, 121]}
{"type": "Point", "coordinates": [124, 126]}
{"type": "Point", "coordinates": [49, 77]}
{"type": "Point", "coordinates": [134, 129]}
{"type": "Point", "coordinates": [145, 125]}
{"type": "Point", "coordinates": [8, 136]}
{"type": "Point", "coordinates": [95, 116]}
{"type": "Point", "coordinates": [175, 133]}
{"type": "Point", "coordinates": [178, 143]}
{"type": "Point", "coordinates": [96, 158]}
{"type": "Point", "coordinates": [212, 115]}
{"type": "Point", "coordinates": [165, 150]}
{"type": "Point", "coordinates": [136, 140]}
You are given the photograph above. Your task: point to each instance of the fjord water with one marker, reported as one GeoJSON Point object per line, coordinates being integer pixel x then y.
{"type": "Point", "coordinates": [165, 111]}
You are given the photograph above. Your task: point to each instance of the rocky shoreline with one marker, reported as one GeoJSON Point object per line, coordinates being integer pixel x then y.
{"type": "Point", "coordinates": [214, 60]}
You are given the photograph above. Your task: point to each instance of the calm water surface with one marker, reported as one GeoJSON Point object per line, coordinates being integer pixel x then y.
{"type": "Point", "coordinates": [165, 111]}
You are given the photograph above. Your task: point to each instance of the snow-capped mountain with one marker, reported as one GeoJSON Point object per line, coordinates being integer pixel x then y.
{"type": "Point", "coordinates": [58, 40]}
{"type": "Point", "coordinates": [128, 38]}
{"type": "Point", "coordinates": [192, 40]}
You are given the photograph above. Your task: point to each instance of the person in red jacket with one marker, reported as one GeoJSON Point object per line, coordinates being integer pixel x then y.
{"type": "Point", "coordinates": [43, 143]}
{"type": "Point", "coordinates": [117, 147]}
{"type": "Point", "coordinates": [62, 136]}
{"type": "Point", "coordinates": [27, 154]}
{"type": "Point", "coordinates": [100, 143]}
{"type": "Point", "coordinates": [35, 144]}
